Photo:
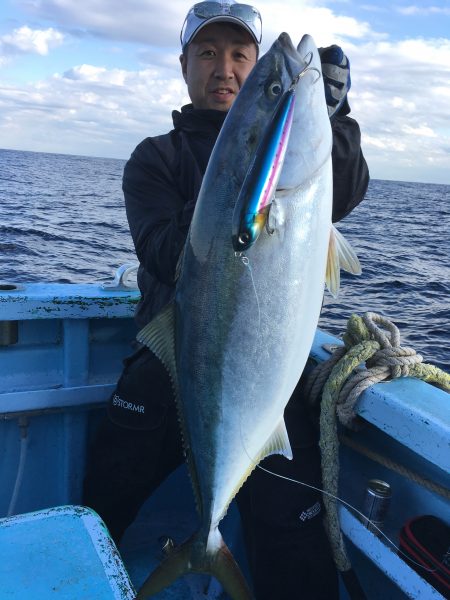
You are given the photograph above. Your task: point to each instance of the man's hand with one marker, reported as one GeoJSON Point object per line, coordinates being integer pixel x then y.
{"type": "Point", "coordinates": [336, 77]}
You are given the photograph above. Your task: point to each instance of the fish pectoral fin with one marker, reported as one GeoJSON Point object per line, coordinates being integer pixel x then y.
{"type": "Point", "coordinates": [340, 256]}
{"type": "Point", "coordinates": [278, 443]}
{"type": "Point", "coordinates": [159, 337]}
{"type": "Point", "coordinates": [347, 256]}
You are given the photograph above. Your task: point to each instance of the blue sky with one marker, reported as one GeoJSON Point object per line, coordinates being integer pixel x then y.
{"type": "Point", "coordinates": [95, 77]}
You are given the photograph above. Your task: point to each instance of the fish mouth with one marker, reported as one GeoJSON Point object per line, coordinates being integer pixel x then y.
{"type": "Point", "coordinates": [292, 58]}
{"type": "Point", "coordinates": [286, 44]}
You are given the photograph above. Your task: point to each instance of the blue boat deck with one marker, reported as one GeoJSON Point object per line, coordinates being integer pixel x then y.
{"type": "Point", "coordinates": [57, 369]}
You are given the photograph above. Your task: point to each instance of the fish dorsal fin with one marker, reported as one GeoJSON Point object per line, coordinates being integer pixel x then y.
{"type": "Point", "coordinates": [340, 256]}
{"type": "Point", "coordinates": [159, 337]}
{"type": "Point", "coordinates": [278, 443]}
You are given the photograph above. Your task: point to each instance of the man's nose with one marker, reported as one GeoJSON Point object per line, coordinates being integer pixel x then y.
{"type": "Point", "coordinates": [224, 68]}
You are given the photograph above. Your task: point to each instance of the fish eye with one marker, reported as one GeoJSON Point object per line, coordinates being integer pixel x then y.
{"type": "Point", "coordinates": [275, 89]}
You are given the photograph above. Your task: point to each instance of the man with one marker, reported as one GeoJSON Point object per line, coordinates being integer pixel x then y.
{"type": "Point", "coordinates": [136, 450]}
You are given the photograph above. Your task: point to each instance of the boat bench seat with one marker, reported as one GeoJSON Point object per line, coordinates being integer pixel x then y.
{"type": "Point", "coordinates": [63, 553]}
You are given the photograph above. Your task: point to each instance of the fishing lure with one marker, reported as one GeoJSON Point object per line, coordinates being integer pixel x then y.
{"type": "Point", "coordinates": [258, 189]}
{"type": "Point", "coordinates": [260, 183]}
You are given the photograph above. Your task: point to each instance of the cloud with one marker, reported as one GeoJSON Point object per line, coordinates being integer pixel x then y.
{"type": "Point", "coordinates": [298, 17]}
{"type": "Point", "coordinates": [154, 24]}
{"type": "Point", "coordinates": [143, 21]}
{"type": "Point", "coordinates": [89, 110]}
{"type": "Point", "coordinates": [414, 10]}
{"type": "Point", "coordinates": [25, 40]}
{"type": "Point", "coordinates": [400, 97]}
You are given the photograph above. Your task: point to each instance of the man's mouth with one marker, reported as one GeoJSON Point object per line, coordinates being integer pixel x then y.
{"type": "Point", "coordinates": [223, 91]}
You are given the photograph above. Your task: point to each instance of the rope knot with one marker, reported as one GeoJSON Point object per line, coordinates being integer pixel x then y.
{"type": "Point", "coordinates": [374, 341]}
{"type": "Point", "coordinates": [398, 360]}
{"type": "Point", "coordinates": [391, 355]}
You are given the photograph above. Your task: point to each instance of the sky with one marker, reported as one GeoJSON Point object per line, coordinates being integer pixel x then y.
{"type": "Point", "coordinates": [95, 77]}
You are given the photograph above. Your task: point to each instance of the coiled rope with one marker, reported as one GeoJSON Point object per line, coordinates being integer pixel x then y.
{"type": "Point", "coordinates": [375, 341]}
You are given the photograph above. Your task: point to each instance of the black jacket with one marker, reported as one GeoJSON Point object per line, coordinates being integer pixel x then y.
{"type": "Point", "coordinates": [162, 180]}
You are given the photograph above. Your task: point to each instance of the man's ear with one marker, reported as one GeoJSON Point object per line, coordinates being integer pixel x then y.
{"type": "Point", "coordinates": [183, 62]}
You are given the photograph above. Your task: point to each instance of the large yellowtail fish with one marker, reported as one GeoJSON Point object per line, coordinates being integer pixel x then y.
{"type": "Point", "coordinates": [249, 294]}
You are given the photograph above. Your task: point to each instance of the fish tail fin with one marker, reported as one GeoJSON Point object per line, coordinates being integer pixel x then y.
{"type": "Point", "coordinates": [226, 570]}
{"type": "Point", "coordinates": [340, 256]}
{"type": "Point", "coordinates": [173, 566]}
{"type": "Point", "coordinates": [195, 557]}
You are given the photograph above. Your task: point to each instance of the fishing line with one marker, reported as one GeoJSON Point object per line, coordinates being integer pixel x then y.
{"type": "Point", "coordinates": [246, 262]}
{"type": "Point", "coordinates": [344, 502]}
{"type": "Point", "coordinates": [354, 509]}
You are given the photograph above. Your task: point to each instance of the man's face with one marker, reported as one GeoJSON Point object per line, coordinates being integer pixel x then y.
{"type": "Point", "coordinates": [217, 62]}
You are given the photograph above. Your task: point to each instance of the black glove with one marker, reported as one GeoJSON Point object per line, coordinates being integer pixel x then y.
{"type": "Point", "coordinates": [336, 77]}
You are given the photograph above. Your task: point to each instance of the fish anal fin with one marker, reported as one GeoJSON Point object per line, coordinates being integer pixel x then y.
{"type": "Point", "coordinates": [340, 256]}
{"type": "Point", "coordinates": [278, 443]}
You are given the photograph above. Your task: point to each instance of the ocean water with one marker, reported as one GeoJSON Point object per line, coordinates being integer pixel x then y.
{"type": "Point", "coordinates": [62, 219]}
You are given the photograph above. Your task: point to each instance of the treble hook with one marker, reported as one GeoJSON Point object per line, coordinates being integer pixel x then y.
{"type": "Point", "coordinates": [305, 69]}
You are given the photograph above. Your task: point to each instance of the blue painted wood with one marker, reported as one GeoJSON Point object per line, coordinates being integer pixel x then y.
{"type": "Point", "coordinates": [414, 413]}
{"type": "Point", "coordinates": [76, 352]}
{"type": "Point", "coordinates": [58, 301]}
{"type": "Point", "coordinates": [63, 553]}
{"type": "Point", "coordinates": [51, 399]}
{"type": "Point", "coordinates": [386, 558]}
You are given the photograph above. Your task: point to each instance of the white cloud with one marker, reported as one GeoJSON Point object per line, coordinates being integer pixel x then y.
{"type": "Point", "coordinates": [155, 24]}
{"type": "Point", "coordinates": [93, 74]}
{"type": "Point", "coordinates": [423, 10]}
{"type": "Point", "coordinates": [420, 131]}
{"type": "Point", "coordinates": [298, 18]}
{"type": "Point", "coordinates": [32, 41]}
{"type": "Point", "coordinates": [400, 98]}
{"type": "Point", "coordinates": [89, 110]}
{"type": "Point", "coordinates": [144, 21]}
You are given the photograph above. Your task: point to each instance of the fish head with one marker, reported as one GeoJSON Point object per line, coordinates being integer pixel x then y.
{"type": "Point", "coordinates": [264, 111]}
{"type": "Point", "coordinates": [255, 105]}
{"type": "Point", "coordinates": [310, 141]}
{"type": "Point", "coordinates": [240, 137]}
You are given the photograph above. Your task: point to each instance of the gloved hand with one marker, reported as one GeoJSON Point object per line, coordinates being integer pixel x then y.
{"type": "Point", "coordinates": [336, 77]}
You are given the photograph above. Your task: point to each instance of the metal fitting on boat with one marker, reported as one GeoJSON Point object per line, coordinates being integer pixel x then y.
{"type": "Point", "coordinates": [9, 333]}
{"type": "Point", "coordinates": [124, 279]}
